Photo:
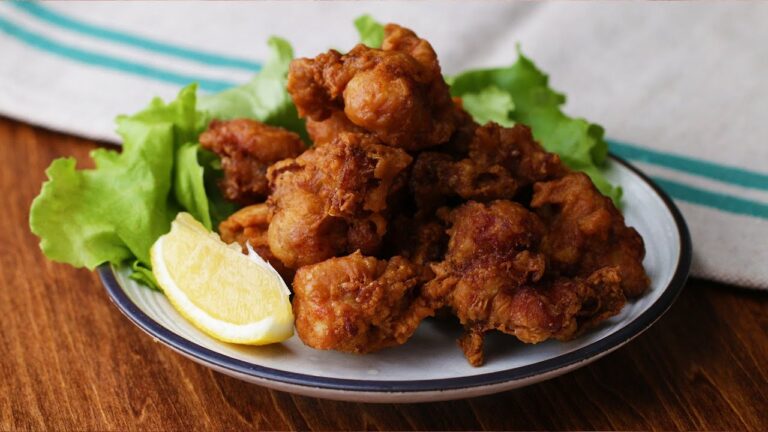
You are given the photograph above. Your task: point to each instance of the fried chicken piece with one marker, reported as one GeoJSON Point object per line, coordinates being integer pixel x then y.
{"type": "Point", "coordinates": [397, 93]}
{"type": "Point", "coordinates": [401, 39]}
{"type": "Point", "coordinates": [437, 177]}
{"type": "Point", "coordinates": [247, 148]}
{"type": "Point", "coordinates": [500, 161]}
{"type": "Point", "coordinates": [560, 309]}
{"type": "Point", "coordinates": [333, 199]}
{"type": "Point", "coordinates": [498, 231]}
{"type": "Point", "coordinates": [429, 182]}
{"type": "Point", "coordinates": [587, 232]}
{"type": "Point", "coordinates": [466, 127]}
{"type": "Point", "coordinates": [516, 151]}
{"type": "Point", "coordinates": [358, 304]}
{"type": "Point", "coordinates": [492, 278]}
{"type": "Point", "coordinates": [324, 131]}
{"type": "Point", "coordinates": [250, 224]}
{"type": "Point", "coordinates": [302, 232]}
{"type": "Point", "coordinates": [421, 241]}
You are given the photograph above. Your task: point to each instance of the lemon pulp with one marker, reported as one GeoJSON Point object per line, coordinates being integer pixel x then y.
{"type": "Point", "coordinates": [231, 296]}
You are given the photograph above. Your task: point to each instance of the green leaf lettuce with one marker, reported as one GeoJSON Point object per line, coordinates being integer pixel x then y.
{"type": "Point", "coordinates": [189, 185]}
{"type": "Point", "coordinates": [490, 104]}
{"type": "Point", "coordinates": [115, 211]}
{"type": "Point", "coordinates": [264, 98]}
{"type": "Point", "coordinates": [371, 31]}
{"type": "Point", "coordinates": [579, 143]}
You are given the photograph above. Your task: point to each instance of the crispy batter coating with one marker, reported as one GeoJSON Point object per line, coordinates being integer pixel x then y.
{"type": "Point", "coordinates": [397, 93]}
{"type": "Point", "coordinates": [401, 39]}
{"type": "Point", "coordinates": [250, 224]}
{"type": "Point", "coordinates": [324, 131]}
{"type": "Point", "coordinates": [493, 279]}
{"type": "Point", "coordinates": [378, 241]}
{"type": "Point", "coordinates": [587, 232]}
{"type": "Point", "coordinates": [302, 232]}
{"type": "Point", "coordinates": [499, 162]}
{"type": "Point", "coordinates": [559, 309]}
{"type": "Point", "coordinates": [358, 304]}
{"type": "Point", "coordinates": [516, 151]}
{"type": "Point", "coordinates": [247, 148]}
{"type": "Point", "coordinates": [333, 199]}
{"type": "Point", "coordinates": [466, 127]}
{"type": "Point", "coordinates": [498, 231]}
{"type": "Point", "coordinates": [421, 241]}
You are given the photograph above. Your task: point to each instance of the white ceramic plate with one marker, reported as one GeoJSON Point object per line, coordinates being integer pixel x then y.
{"type": "Point", "coordinates": [430, 366]}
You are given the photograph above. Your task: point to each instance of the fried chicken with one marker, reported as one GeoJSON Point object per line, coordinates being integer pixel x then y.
{"type": "Point", "coordinates": [405, 207]}
{"type": "Point", "coordinates": [516, 151]}
{"type": "Point", "coordinates": [493, 278]}
{"type": "Point", "coordinates": [250, 224]}
{"type": "Point", "coordinates": [458, 145]}
{"type": "Point", "coordinates": [247, 148]}
{"type": "Point", "coordinates": [396, 93]}
{"type": "Point", "coordinates": [333, 199]}
{"type": "Point", "coordinates": [358, 304]}
{"type": "Point", "coordinates": [585, 232]}
{"type": "Point", "coordinates": [323, 131]}
{"type": "Point", "coordinates": [560, 309]}
{"type": "Point", "coordinates": [421, 241]}
{"type": "Point", "coordinates": [500, 161]}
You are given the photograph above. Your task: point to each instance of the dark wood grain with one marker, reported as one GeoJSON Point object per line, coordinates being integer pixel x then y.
{"type": "Point", "coordinates": [69, 360]}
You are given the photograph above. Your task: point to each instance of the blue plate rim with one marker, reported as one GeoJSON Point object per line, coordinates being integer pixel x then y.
{"type": "Point", "coordinates": [606, 344]}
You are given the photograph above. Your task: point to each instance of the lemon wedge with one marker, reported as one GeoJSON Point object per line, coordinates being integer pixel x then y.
{"type": "Point", "coordinates": [230, 296]}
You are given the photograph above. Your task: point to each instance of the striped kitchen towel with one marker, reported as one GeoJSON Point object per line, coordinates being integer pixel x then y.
{"type": "Point", "coordinates": [682, 88]}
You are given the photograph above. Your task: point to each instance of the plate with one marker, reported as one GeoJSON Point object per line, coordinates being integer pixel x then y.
{"type": "Point", "coordinates": [430, 366]}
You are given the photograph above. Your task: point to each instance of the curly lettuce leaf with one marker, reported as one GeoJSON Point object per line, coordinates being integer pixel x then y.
{"type": "Point", "coordinates": [115, 211]}
{"type": "Point", "coordinates": [264, 97]}
{"type": "Point", "coordinates": [579, 143]}
{"type": "Point", "coordinates": [490, 104]}
{"type": "Point", "coordinates": [142, 273]}
{"type": "Point", "coordinates": [189, 183]}
{"type": "Point", "coordinates": [371, 31]}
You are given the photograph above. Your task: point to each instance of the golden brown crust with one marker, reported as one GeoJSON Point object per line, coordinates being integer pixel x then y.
{"type": "Point", "coordinates": [333, 199]}
{"type": "Point", "coordinates": [324, 131]}
{"type": "Point", "coordinates": [586, 232]}
{"type": "Point", "coordinates": [247, 148]}
{"type": "Point", "coordinates": [405, 206]}
{"type": "Point", "coordinates": [396, 94]}
{"type": "Point", "coordinates": [499, 162]}
{"type": "Point", "coordinates": [250, 225]}
{"type": "Point", "coordinates": [493, 278]}
{"type": "Point", "coordinates": [358, 304]}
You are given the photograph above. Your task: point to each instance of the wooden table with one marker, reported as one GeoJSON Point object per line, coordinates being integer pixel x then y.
{"type": "Point", "coordinates": [70, 360]}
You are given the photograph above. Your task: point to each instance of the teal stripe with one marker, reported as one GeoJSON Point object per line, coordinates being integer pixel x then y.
{"type": "Point", "coordinates": [677, 190]}
{"type": "Point", "coordinates": [52, 17]}
{"type": "Point", "coordinates": [49, 45]}
{"type": "Point", "coordinates": [698, 167]}
{"type": "Point", "coordinates": [718, 201]}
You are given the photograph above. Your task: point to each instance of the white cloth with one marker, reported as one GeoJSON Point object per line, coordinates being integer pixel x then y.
{"type": "Point", "coordinates": [683, 85]}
